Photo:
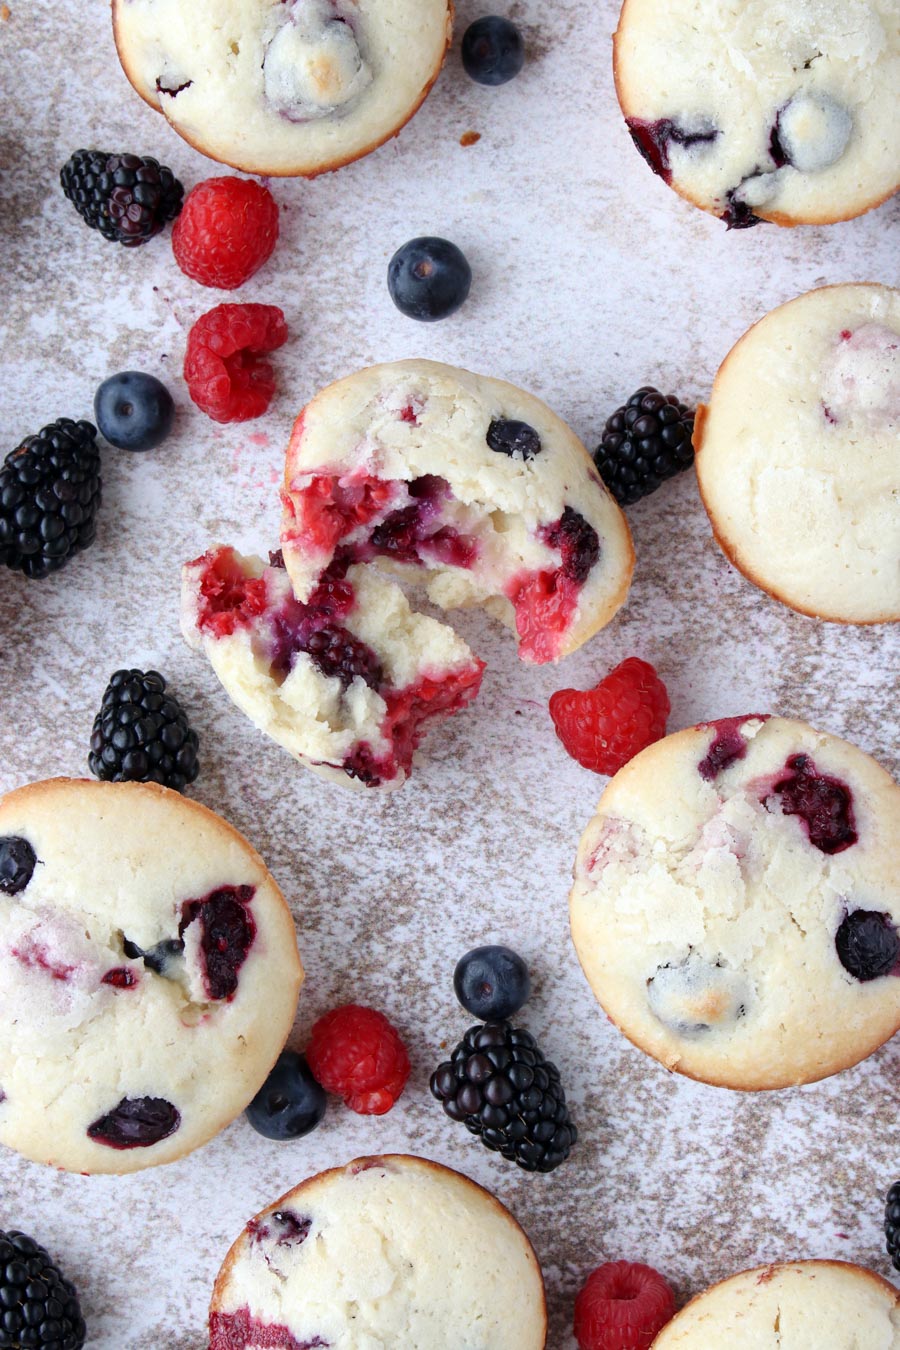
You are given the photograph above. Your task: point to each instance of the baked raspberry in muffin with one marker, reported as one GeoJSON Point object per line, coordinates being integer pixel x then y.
{"type": "Point", "coordinates": [148, 974]}
{"type": "Point", "coordinates": [463, 481]}
{"type": "Point", "coordinates": [781, 110]}
{"type": "Point", "coordinates": [831, 1305]}
{"type": "Point", "coordinates": [737, 900]}
{"type": "Point", "coordinates": [798, 453]}
{"type": "Point", "coordinates": [283, 87]}
{"type": "Point", "coordinates": [388, 1251]}
{"type": "Point", "coordinates": [347, 680]}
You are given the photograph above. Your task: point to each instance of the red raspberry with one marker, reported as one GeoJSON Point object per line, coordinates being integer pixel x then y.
{"type": "Point", "coordinates": [227, 229]}
{"type": "Point", "coordinates": [356, 1053]}
{"type": "Point", "coordinates": [605, 727]}
{"type": "Point", "coordinates": [224, 374]}
{"type": "Point", "coordinates": [622, 1306]}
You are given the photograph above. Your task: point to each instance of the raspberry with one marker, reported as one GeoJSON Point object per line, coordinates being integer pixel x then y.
{"type": "Point", "coordinates": [227, 229]}
{"type": "Point", "coordinates": [356, 1053]}
{"type": "Point", "coordinates": [605, 727]}
{"type": "Point", "coordinates": [224, 374]}
{"type": "Point", "coordinates": [622, 1306]}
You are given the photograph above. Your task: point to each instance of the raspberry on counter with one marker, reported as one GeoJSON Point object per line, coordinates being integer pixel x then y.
{"type": "Point", "coordinates": [355, 1053]}
{"type": "Point", "coordinates": [227, 229]}
{"type": "Point", "coordinates": [622, 1306]}
{"type": "Point", "coordinates": [603, 728]}
{"type": "Point", "coordinates": [223, 369]}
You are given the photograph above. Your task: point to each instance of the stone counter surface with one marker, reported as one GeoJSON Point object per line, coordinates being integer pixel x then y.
{"type": "Point", "coordinates": [590, 278]}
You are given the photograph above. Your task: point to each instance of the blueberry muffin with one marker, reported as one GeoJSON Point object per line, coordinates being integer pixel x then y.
{"type": "Point", "coordinates": [391, 1251]}
{"type": "Point", "coordinates": [781, 110]}
{"type": "Point", "coordinates": [831, 1305]}
{"type": "Point", "coordinates": [737, 900]}
{"type": "Point", "coordinates": [148, 974]}
{"type": "Point", "coordinates": [798, 454]}
{"type": "Point", "coordinates": [283, 87]}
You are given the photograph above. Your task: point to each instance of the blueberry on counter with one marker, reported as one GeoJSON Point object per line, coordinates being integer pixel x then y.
{"type": "Point", "coordinates": [134, 411]}
{"type": "Point", "coordinates": [428, 278]}
{"type": "Point", "coordinates": [492, 983]}
{"type": "Point", "coordinates": [492, 50]}
{"type": "Point", "coordinates": [290, 1102]}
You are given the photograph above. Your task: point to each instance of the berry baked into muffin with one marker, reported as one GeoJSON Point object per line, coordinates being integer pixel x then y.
{"type": "Point", "coordinates": [798, 453]}
{"type": "Point", "coordinates": [737, 900]}
{"type": "Point", "coordinates": [284, 87]}
{"type": "Point", "coordinates": [432, 474]}
{"type": "Point", "coordinates": [780, 110]}
{"type": "Point", "coordinates": [148, 974]}
{"type": "Point", "coordinates": [831, 1305]}
{"type": "Point", "coordinates": [394, 1251]}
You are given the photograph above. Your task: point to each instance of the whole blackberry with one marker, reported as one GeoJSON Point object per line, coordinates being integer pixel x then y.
{"type": "Point", "coordinates": [499, 1085]}
{"type": "Point", "coordinates": [49, 494]}
{"type": "Point", "coordinates": [141, 734]}
{"type": "Point", "coordinates": [38, 1306]}
{"type": "Point", "coordinates": [645, 442]}
{"type": "Point", "coordinates": [128, 198]}
{"type": "Point", "coordinates": [892, 1224]}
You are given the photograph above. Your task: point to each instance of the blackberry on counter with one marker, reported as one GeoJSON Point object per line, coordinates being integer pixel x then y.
{"type": "Point", "coordinates": [128, 198]}
{"type": "Point", "coordinates": [38, 1306]}
{"type": "Point", "coordinates": [141, 734]}
{"type": "Point", "coordinates": [892, 1224]}
{"type": "Point", "coordinates": [49, 494]}
{"type": "Point", "coordinates": [499, 1085]}
{"type": "Point", "coordinates": [644, 442]}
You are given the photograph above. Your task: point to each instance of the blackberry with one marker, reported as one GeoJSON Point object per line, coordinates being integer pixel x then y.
{"type": "Point", "coordinates": [337, 652]}
{"type": "Point", "coordinates": [499, 1085]}
{"type": "Point", "coordinates": [141, 733]}
{"type": "Point", "coordinates": [49, 495]}
{"type": "Point", "coordinates": [892, 1224]}
{"type": "Point", "coordinates": [128, 198]}
{"type": "Point", "coordinates": [645, 442]}
{"type": "Point", "coordinates": [38, 1305]}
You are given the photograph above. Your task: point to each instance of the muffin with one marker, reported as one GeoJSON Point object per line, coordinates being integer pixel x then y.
{"type": "Point", "coordinates": [737, 900]}
{"type": "Point", "coordinates": [780, 110]}
{"type": "Point", "coordinates": [148, 974]}
{"type": "Point", "coordinates": [798, 454]}
{"type": "Point", "coordinates": [283, 87]}
{"type": "Point", "coordinates": [389, 1250]}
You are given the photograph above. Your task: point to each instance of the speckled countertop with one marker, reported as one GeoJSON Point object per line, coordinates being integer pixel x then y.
{"type": "Point", "coordinates": [590, 279]}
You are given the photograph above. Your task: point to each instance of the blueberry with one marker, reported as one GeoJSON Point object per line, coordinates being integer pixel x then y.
{"type": "Point", "coordinates": [492, 50]}
{"type": "Point", "coordinates": [868, 944]}
{"type": "Point", "coordinates": [17, 863]}
{"type": "Point", "coordinates": [491, 983]}
{"type": "Point", "coordinates": [134, 411]}
{"type": "Point", "coordinates": [290, 1102]}
{"type": "Point", "coordinates": [428, 278]}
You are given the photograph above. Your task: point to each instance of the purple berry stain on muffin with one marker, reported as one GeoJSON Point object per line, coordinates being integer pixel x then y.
{"type": "Point", "coordinates": [136, 1122]}
{"type": "Point", "coordinates": [824, 804]}
{"type": "Point", "coordinates": [868, 945]}
{"type": "Point", "coordinates": [227, 931]}
{"type": "Point", "coordinates": [652, 141]}
{"type": "Point", "coordinates": [728, 744]}
{"type": "Point", "coordinates": [284, 1228]}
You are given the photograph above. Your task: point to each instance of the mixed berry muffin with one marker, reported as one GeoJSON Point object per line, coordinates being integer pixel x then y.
{"type": "Point", "coordinates": [283, 87]}
{"type": "Point", "coordinates": [148, 974]}
{"type": "Point", "coordinates": [780, 110]}
{"type": "Point", "coordinates": [831, 1305]}
{"type": "Point", "coordinates": [463, 481]}
{"type": "Point", "coordinates": [737, 900]}
{"type": "Point", "coordinates": [389, 1250]}
{"type": "Point", "coordinates": [798, 453]}
{"type": "Point", "coordinates": [347, 680]}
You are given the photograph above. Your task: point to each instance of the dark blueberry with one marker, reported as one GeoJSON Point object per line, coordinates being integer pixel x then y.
{"type": "Point", "coordinates": [290, 1102]}
{"type": "Point", "coordinates": [17, 863]}
{"type": "Point", "coordinates": [141, 733]}
{"type": "Point", "coordinates": [428, 278]}
{"type": "Point", "coordinates": [492, 50]}
{"type": "Point", "coordinates": [516, 439]}
{"type": "Point", "coordinates": [227, 930]}
{"type": "Point", "coordinates": [38, 1305]}
{"type": "Point", "coordinates": [737, 214]}
{"type": "Point", "coordinates": [652, 141]}
{"type": "Point", "coordinates": [134, 411]}
{"type": "Point", "coordinates": [491, 983]}
{"type": "Point", "coordinates": [824, 804]}
{"type": "Point", "coordinates": [158, 958]}
{"type": "Point", "coordinates": [136, 1122]}
{"type": "Point", "coordinates": [892, 1224]}
{"type": "Point", "coordinates": [868, 944]}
